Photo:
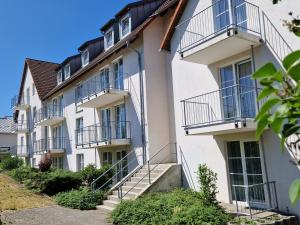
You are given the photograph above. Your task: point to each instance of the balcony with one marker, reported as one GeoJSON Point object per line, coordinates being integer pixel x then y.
{"type": "Point", "coordinates": [228, 110]}
{"type": "Point", "coordinates": [219, 31]}
{"type": "Point", "coordinates": [20, 150]}
{"type": "Point", "coordinates": [5, 151]}
{"type": "Point", "coordinates": [49, 115]}
{"type": "Point", "coordinates": [108, 134]}
{"type": "Point", "coordinates": [22, 126]}
{"type": "Point", "coordinates": [19, 103]}
{"type": "Point", "coordinates": [51, 145]}
{"type": "Point", "coordinates": [98, 92]}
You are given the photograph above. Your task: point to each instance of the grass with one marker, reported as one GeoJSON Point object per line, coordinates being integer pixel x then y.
{"type": "Point", "coordinates": [15, 197]}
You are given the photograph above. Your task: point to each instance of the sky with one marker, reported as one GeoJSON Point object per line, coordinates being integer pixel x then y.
{"type": "Point", "coordinates": [49, 30]}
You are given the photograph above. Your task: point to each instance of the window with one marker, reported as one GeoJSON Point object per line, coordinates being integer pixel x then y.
{"type": "Point", "coordinates": [33, 89]}
{"type": "Point", "coordinates": [80, 162]}
{"type": "Point", "coordinates": [79, 131]}
{"type": "Point", "coordinates": [107, 158]}
{"type": "Point", "coordinates": [59, 77]}
{"type": "Point", "coordinates": [78, 93]}
{"type": "Point", "coordinates": [34, 142]}
{"type": "Point", "coordinates": [58, 162]}
{"type": "Point", "coordinates": [85, 58]}
{"type": "Point", "coordinates": [27, 96]}
{"type": "Point", "coordinates": [67, 71]}
{"type": "Point", "coordinates": [119, 75]}
{"type": "Point", "coordinates": [125, 26]}
{"type": "Point", "coordinates": [109, 37]}
{"type": "Point", "coordinates": [33, 162]}
{"type": "Point", "coordinates": [34, 114]}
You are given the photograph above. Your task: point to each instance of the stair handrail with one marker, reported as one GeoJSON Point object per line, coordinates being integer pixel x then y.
{"type": "Point", "coordinates": [112, 168]}
{"type": "Point", "coordinates": [188, 172]}
{"type": "Point", "coordinates": [121, 184]}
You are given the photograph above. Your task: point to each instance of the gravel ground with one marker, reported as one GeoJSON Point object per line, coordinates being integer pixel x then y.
{"type": "Point", "coordinates": [54, 215]}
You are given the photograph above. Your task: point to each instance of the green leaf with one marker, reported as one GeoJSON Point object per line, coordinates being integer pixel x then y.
{"type": "Point", "coordinates": [266, 70]}
{"type": "Point", "coordinates": [283, 110]}
{"type": "Point", "coordinates": [261, 125]}
{"type": "Point", "coordinates": [294, 191]}
{"type": "Point", "coordinates": [290, 59]}
{"type": "Point", "coordinates": [295, 72]}
{"type": "Point", "coordinates": [289, 129]}
{"type": "Point", "coordinates": [277, 124]}
{"type": "Point", "coordinates": [266, 106]}
{"type": "Point", "coordinates": [266, 92]}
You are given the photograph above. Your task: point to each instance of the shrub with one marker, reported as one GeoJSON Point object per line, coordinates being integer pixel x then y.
{"type": "Point", "coordinates": [45, 163]}
{"type": "Point", "coordinates": [208, 187]}
{"type": "Point", "coordinates": [22, 173]}
{"type": "Point", "coordinates": [90, 173]}
{"type": "Point", "coordinates": [176, 207]}
{"type": "Point", "coordinates": [82, 199]}
{"type": "Point", "coordinates": [11, 163]}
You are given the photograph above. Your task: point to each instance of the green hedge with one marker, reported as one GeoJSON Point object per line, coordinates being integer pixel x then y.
{"type": "Point", "coordinates": [82, 199]}
{"type": "Point", "coordinates": [11, 163]}
{"type": "Point", "coordinates": [22, 173]}
{"type": "Point", "coordinates": [90, 173]}
{"type": "Point", "coordinates": [176, 207]}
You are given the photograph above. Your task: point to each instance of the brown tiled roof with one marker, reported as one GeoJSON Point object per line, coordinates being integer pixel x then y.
{"type": "Point", "coordinates": [43, 74]}
{"type": "Point", "coordinates": [117, 47]}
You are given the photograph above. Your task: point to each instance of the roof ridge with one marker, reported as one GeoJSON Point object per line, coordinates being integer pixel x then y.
{"type": "Point", "coordinates": [39, 60]}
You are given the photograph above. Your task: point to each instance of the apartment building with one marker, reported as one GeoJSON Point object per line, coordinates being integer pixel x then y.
{"type": "Point", "coordinates": [8, 137]}
{"type": "Point", "coordinates": [214, 50]}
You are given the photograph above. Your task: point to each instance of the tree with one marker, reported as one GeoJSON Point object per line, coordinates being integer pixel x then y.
{"type": "Point", "coordinates": [281, 89]}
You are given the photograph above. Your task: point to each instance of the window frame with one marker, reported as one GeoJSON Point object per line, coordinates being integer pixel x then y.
{"type": "Point", "coordinates": [83, 53]}
{"type": "Point", "coordinates": [127, 16]}
{"type": "Point", "coordinates": [80, 162]}
{"type": "Point", "coordinates": [112, 37]}
{"type": "Point", "coordinates": [59, 77]}
{"type": "Point", "coordinates": [33, 89]}
{"type": "Point", "coordinates": [67, 75]}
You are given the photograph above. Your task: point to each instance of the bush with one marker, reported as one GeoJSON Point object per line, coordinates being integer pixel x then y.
{"type": "Point", "coordinates": [208, 187]}
{"type": "Point", "coordinates": [11, 163]}
{"type": "Point", "coordinates": [176, 207]}
{"type": "Point", "coordinates": [82, 199]}
{"type": "Point", "coordinates": [22, 173]}
{"type": "Point", "coordinates": [45, 164]}
{"type": "Point", "coordinates": [90, 173]}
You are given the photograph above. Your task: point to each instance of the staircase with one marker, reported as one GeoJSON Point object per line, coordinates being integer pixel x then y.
{"type": "Point", "coordinates": [160, 173]}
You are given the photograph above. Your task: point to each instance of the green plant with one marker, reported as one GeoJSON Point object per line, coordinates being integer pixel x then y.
{"type": "Point", "coordinates": [208, 187]}
{"type": "Point", "coordinates": [90, 173]}
{"type": "Point", "coordinates": [45, 163]}
{"type": "Point", "coordinates": [22, 173]}
{"type": "Point", "coordinates": [82, 199]}
{"type": "Point", "coordinates": [175, 207]}
{"type": "Point", "coordinates": [11, 163]}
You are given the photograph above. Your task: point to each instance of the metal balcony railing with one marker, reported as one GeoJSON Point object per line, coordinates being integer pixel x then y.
{"type": "Point", "coordinates": [22, 125]}
{"type": "Point", "coordinates": [103, 132]}
{"type": "Point", "coordinates": [233, 103]}
{"type": "Point", "coordinates": [254, 199]}
{"type": "Point", "coordinates": [97, 84]}
{"type": "Point", "coordinates": [19, 101]}
{"type": "Point", "coordinates": [216, 19]}
{"type": "Point", "coordinates": [49, 112]}
{"type": "Point", "coordinates": [5, 150]}
{"type": "Point", "coordinates": [46, 145]}
{"type": "Point", "coordinates": [20, 150]}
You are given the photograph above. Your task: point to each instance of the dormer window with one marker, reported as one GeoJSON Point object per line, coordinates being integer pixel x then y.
{"type": "Point", "coordinates": [125, 26]}
{"type": "Point", "coordinates": [109, 37]}
{"type": "Point", "coordinates": [59, 77]}
{"type": "Point", "coordinates": [85, 58]}
{"type": "Point", "coordinates": [67, 71]}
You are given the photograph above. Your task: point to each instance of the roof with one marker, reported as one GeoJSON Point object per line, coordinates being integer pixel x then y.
{"type": "Point", "coordinates": [108, 25]}
{"type": "Point", "coordinates": [87, 43]}
{"type": "Point", "coordinates": [7, 125]}
{"type": "Point", "coordinates": [117, 47]}
{"type": "Point", "coordinates": [165, 44]}
{"type": "Point", "coordinates": [66, 61]}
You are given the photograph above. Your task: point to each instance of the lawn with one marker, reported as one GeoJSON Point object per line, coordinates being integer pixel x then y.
{"type": "Point", "coordinates": [14, 197]}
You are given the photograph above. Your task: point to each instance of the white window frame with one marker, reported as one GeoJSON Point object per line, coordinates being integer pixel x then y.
{"type": "Point", "coordinates": [112, 37]}
{"type": "Point", "coordinates": [58, 162]}
{"type": "Point", "coordinates": [80, 162]}
{"type": "Point", "coordinates": [59, 77]}
{"type": "Point", "coordinates": [67, 75]}
{"type": "Point", "coordinates": [33, 89]}
{"type": "Point", "coordinates": [85, 52]}
{"type": "Point", "coordinates": [127, 16]}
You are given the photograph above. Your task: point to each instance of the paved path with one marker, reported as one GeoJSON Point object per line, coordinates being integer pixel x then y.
{"type": "Point", "coordinates": [54, 215]}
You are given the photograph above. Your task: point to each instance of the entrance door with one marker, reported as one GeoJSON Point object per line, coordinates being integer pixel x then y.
{"type": "Point", "coordinates": [245, 168]}
{"type": "Point", "coordinates": [57, 140]}
{"type": "Point", "coordinates": [106, 124]}
{"type": "Point", "coordinates": [120, 122]}
{"type": "Point", "coordinates": [122, 169]}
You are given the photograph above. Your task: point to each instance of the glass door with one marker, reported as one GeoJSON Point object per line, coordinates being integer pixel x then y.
{"type": "Point", "coordinates": [245, 168]}
{"type": "Point", "coordinates": [104, 79]}
{"type": "Point", "coordinates": [120, 121]}
{"type": "Point", "coordinates": [240, 14]}
{"type": "Point", "coordinates": [221, 14]}
{"type": "Point", "coordinates": [119, 76]}
{"type": "Point", "coordinates": [122, 168]}
{"type": "Point", "coordinates": [106, 124]}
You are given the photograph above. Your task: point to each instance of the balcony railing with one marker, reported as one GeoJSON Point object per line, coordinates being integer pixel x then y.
{"type": "Point", "coordinates": [104, 132]}
{"type": "Point", "coordinates": [49, 112]}
{"type": "Point", "coordinates": [22, 126]}
{"type": "Point", "coordinates": [99, 84]}
{"type": "Point", "coordinates": [217, 19]}
{"type": "Point", "coordinates": [51, 144]}
{"type": "Point", "coordinates": [16, 101]}
{"type": "Point", "coordinates": [252, 200]}
{"type": "Point", "coordinates": [20, 150]}
{"type": "Point", "coordinates": [234, 103]}
{"type": "Point", "coordinates": [5, 150]}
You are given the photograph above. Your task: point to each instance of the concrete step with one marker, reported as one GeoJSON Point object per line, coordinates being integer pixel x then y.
{"type": "Point", "coordinates": [138, 179]}
{"type": "Point", "coordinates": [130, 195]}
{"type": "Point", "coordinates": [146, 175]}
{"type": "Point", "coordinates": [139, 185]}
{"type": "Point", "coordinates": [110, 203]}
{"type": "Point", "coordinates": [104, 208]}
{"type": "Point", "coordinates": [132, 189]}
{"type": "Point", "coordinates": [153, 171]}
{"type": "Point", "coordinates": [116, 198]}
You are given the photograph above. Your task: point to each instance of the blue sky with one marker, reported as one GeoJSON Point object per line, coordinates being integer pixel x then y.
{"type": "Point", "coordinates": [49, 30]}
